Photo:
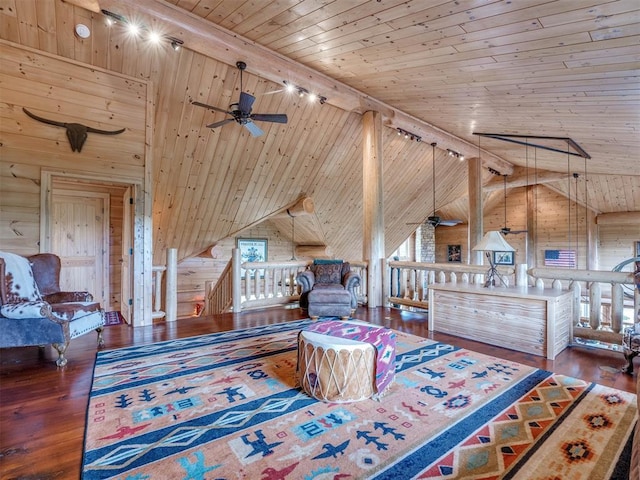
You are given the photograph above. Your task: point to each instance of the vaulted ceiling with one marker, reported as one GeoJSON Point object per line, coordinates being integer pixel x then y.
{"type": "Point", "coordinates": [442, 70]}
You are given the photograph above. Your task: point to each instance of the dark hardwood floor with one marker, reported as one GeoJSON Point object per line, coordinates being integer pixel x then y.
{"type": "Point", "coordinates": [43, 408]}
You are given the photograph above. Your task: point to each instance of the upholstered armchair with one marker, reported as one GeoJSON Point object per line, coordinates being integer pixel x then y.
{"type": "Point", "coordinates": [328, 288]}
{"type": "Point", "coordinates": [33, 309]}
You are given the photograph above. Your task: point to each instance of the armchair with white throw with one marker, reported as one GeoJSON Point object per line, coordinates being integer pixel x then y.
{"type": "Point", "coordinates": [33, 310]}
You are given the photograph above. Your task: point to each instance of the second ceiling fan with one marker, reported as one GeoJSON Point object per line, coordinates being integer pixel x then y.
{"type": "Point", "coordinates": [240, 111]}
{"type": "Point", "coordinates": [435, 220]}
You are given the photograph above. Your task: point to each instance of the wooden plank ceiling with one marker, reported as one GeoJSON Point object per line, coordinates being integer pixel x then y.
{"type": "Point", "coordinates": [531, 67]}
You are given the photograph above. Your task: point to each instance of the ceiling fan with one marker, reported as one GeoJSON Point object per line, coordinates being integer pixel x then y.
{"type": "Point", "coordinates": [506, 230]}
{"type": "Point", "coordinates": [240, 111]}
{"type": "Point", "coordinates": [434, 220]}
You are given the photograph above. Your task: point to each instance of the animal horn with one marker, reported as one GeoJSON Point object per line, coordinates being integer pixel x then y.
{"type": "Point", "coordinates": [44, 120]}
{"type": "Point", "coordinates": [105, 132]}
{"type": "Point", "coordinates": [76, 132]}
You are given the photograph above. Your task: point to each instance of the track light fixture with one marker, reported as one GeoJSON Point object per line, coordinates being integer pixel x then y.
{"type": "Point", "coordinates": [303, 92]}
{"type": "Point", "coordinates": [409, 135]}
{"type": "Point", "coordinates": [453, 153]}
{"type": "Point", "coordinates": [135, 29]}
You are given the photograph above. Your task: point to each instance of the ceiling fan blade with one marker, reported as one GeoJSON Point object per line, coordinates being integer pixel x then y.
{"type": "Point", "coordinates": [450, 223]}
{"type": "Point", "coordinates": [220, 123]}
{"type": "Point", "coordinates": [270, 117]}
{"type": "Point", "coordinates": [246, 102]}
{"type": "Point", "coordinates": [254, 130]}
{"type": "Point", "coordinates": [210, 107]}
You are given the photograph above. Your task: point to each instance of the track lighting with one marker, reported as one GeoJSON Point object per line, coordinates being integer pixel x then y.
{"type": "Point", "coordinates": [303, 92]}
{"type": "Point", "coordinates": [453, 153]}
{"type": "Point", "coordinates": [176, 43]}
{"type": "Point", "coordinates": [136, 30]}
{"type": "Point", "coordinates": [409, 135]}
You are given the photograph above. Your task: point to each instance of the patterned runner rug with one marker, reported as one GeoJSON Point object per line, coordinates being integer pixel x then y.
{"type": "Point", "coordinates": [113, 318]}
{"type": "Point", "coordinates": [226, 406]}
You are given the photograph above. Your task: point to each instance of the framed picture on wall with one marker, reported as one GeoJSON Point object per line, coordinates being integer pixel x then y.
{"type": "Point", "coordinates": [252, 250]}
{"type": "Point", "coordinates": [454, 253]}
{"type": "Point", "coordinates": [503, 258]}
{"type": "Point", "coordinates": [637, 249]}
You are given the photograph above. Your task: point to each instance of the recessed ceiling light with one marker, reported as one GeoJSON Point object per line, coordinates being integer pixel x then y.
{"type": "Point", "coordinates": [82, 31]}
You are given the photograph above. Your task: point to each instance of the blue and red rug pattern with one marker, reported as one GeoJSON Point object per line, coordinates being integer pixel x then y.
{"type": "Point", "coordinates": [227, 406]}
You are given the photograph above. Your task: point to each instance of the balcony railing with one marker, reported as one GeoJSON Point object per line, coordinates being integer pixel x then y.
{"type": "Point", "coordinates": [601, 308]}
{"type": "Point", "coordinates": [249, 285]}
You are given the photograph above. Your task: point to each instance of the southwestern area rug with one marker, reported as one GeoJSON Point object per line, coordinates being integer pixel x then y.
{"type": "Point", "coordinates": [226, 406]}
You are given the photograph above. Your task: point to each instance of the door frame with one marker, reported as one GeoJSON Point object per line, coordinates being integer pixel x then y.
{"type": "Point", "coordinates": [141, 290]}
{"type": "Point", "coordinates": [86, 192]}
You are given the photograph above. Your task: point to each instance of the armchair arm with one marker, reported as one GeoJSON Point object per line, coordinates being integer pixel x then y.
{"type": "Point", "coordinates": [351, 281]}
{"type": "Point", "coordinates": [65, 297]}
{"type": "Point", "coordinates": [306, 279]}
{"type": "Point", "coordinates": [18, 311]}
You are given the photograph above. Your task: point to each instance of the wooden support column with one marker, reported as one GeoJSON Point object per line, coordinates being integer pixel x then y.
{"type": "Point", "coordinates": [372, 191]}
{"type": "Point", "coordinates": [476, 219]}
{"type": "Point", "coordinates": [172, 285]}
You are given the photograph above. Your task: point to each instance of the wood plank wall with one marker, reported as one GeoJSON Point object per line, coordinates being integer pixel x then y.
{"type": "Point", "coordinates": [65, 91]}
{"type": "Point", "coordinates": [558, 220]}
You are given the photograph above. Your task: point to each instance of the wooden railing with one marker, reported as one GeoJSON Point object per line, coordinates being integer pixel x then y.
{"type": "Point", "coordinates": [598, 312]}
{"type": "Point", "coordinates": [407, 283]}
{"type": "Point", "coordinates": [249, 285]}
{"type": "Point", "coordinates": [599, 301]}
{"type": "Point", "coordinates": [170, 312]}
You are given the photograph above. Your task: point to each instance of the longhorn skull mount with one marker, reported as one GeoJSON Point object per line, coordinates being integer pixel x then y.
{"type": "Point", "coordinates": [76, 132]}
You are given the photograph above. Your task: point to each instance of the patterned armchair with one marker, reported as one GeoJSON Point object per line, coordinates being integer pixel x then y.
{"type": "Point", "coordinates": [329, 289]}
{"type": "Point", "coordinates": [33, 310]}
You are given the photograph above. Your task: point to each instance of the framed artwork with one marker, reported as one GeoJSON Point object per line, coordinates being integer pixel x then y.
{"type": "Point", "coordinates": [503, 258]}
{"type": "Point", "coordinates": [454, 253]}
{"type": "Point", "coordinates": [252, 250]}
{"type": "Point", "coordinates": [637, 249]}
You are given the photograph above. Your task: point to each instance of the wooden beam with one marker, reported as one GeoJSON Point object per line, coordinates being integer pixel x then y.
{"type": "Point", "coordinates": [522, 180]}
{"type": "Point", "coordinates": [304, 206]}
{"type": "Point", "coordinates": [91, 5]}
{"type": "Point", "coordinates": [221, 44]}
{"type": "Point", "coordinates": [619, 218]}
{"type": "Point", "coordinates": [313, 251]}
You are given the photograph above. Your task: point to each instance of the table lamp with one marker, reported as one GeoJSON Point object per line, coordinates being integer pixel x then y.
{"type": "Point", "coordinates": [493, 241]}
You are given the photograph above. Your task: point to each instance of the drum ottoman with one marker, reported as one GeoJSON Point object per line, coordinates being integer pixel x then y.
{"type": "Point", "coordinates": [345, 361]}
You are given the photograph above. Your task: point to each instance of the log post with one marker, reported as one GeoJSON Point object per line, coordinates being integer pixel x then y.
{"type": "Point", "coordinates": [236, 260]}
{"type": "Point", "coordinates": [373, 238]}
{"type": "Point", "coordinates": [172, 285]}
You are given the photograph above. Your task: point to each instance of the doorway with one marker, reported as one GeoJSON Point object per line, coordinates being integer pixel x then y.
{"type": "Point", "coordinates": [86, 229]}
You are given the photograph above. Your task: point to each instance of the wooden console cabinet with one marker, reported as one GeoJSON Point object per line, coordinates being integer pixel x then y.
{"type": "Point", "coordinates": [529, 320]}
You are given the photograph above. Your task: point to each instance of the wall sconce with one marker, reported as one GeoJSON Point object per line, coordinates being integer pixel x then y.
{"type": "Point", "coordinates": [453, 153]}
{"type": "Point", "coordinates": [303, 92]}
{"type": "Point", "coordinates": [135, 29]}
{"type": "Point", "coordinates": [409, 135]}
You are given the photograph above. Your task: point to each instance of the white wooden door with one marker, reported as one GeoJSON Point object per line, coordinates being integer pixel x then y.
{"type": "Point", "coordinates": [126, 299]}
{"type": "Point", "coordinates": [80, 237]}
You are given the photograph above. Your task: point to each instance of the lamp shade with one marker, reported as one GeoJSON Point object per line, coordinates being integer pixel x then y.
{"type": "Point", "coordinates": [493, 241]}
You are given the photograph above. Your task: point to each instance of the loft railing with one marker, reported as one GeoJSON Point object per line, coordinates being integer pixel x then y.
{"type": "Point", "coordinates": [247, 285]}
{"type": "Point", "coordinates": [600, 304]}
{"type": "Point", "coordinates": [601, 309]}
{"type": "Point", "coordinates": [170, 299]}
{"type": "Point", "coordinates": [407, 283]}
